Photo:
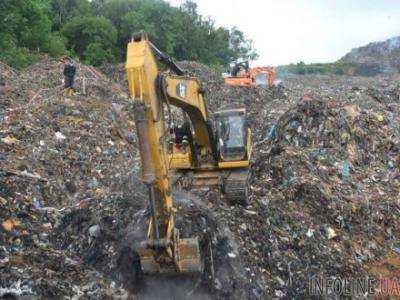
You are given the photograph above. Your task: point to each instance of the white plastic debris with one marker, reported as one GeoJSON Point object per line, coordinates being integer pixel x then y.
{"type": "Point", "coordinates": [59, 136]}
{"type": "Point", "coordinates": [231, 255]}
{"type": "Point", "coordinates": [94, 231]}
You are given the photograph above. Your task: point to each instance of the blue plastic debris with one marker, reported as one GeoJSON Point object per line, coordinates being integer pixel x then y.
{"type": "Point", "coordinates": [345, 171]}
{"type": "Point", "coordinates": [36, 203]}
{"type": "Point", "coordinates": [289, 181]}
{"type": "Point", "coordinates": [294, 124]}
{"type": "Point", "coordinates": [318, 154]}
{"type": "Point", "coordinates": [272, 132]}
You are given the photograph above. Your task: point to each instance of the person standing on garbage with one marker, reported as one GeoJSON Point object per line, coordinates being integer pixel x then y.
{"type": "Point", "coordinates": [69, 74]}
{"type": "Point", "coordinates": [2, 85]}
{"type": "Point", "coordinates": [5, 89]}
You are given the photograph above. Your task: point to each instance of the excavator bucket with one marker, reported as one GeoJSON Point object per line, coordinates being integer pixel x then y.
{"type": "Point", "coordinates": [186, 257]}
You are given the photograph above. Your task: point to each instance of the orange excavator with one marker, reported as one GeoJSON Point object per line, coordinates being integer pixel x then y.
{"type": "Point", "coordinates": [243, 75]}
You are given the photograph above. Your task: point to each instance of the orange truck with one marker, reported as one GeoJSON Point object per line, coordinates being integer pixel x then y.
{"type": "Point", "coordinates": [243, 75]}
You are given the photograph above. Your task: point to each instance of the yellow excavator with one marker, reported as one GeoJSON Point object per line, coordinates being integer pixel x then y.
{"type": "Point", "coordinates": [210, 151]}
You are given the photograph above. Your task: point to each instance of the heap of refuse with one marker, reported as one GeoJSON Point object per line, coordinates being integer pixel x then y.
{"type": "Point", "coordinates": [324, 187]}
{"type": "Point", "coordinates": [327, 174]}
{"type": "Point", "coordinates": [67, 180]}
{"type": "Point", "coordinates": [325, 198]}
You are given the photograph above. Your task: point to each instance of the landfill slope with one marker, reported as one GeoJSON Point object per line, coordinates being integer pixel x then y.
{"type": "Point", "coordinates": [325, 180]}
{"type": "Point", "coordinates": [324, 194]}
{"type": "Point", "coordinates": [377, 57]}
{"type": "Point", "coordinates": [68, 183]}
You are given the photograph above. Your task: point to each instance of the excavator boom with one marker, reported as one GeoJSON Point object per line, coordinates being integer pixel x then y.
{"type": "Point", "coordinates": [163, 251]}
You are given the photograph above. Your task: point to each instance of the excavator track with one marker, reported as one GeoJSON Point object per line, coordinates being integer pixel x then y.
{"type": "Point", "coordinates": [235, 187]}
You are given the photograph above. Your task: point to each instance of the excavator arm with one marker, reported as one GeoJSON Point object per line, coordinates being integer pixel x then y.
{"type": "Point", "coordinates": [185, 93]}
{"type": "Point", "coordinates": [163, 251]}
{"type": "Point", "coordinates": [221, 161]}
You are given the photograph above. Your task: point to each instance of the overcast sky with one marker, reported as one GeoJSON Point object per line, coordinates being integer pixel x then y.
{"type": "Point", "coordinates": [288, 31]}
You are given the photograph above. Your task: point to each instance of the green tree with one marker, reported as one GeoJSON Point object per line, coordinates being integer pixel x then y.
{"type": "Point", "coordinates": [98, 31]}
{"type": "Point", "coordinates": [114, 10]}
{"type": "Point", "coordinates": [199, 39]}
{"type": "Point", "coordinates": [25, 29]}
{"type": "Point", "coordinates": [64, 10]}
{"type": "Point", "coordinates": [95, 54]}
{"type": "Point", "coordinates": [301, 68]}
{"type": "Point", "coordinates": [155, 17]}
{"type": "Point", "coordinates": [242, 47]}
{"type": "Point", "coordinates": [25, 22]}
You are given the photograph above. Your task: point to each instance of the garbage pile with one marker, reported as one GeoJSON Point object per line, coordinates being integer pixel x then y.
{"type": "Point", "coordinates": [325, 186]}
{"type": "Point", "coordinates": [375, 58]}
{"type": "Point", "coordinates": [221, 96]}
{"type": "Point", "coordinates": [115, 72]}
{"type": "Point", "coordinates": [324, 194]}
{"type": "Point", "coordinates": [325, 198]}
{"type": "Point", "coordinates": [69, 187]}
{"type": "Point", "coordinates": [330, 174]}
{"type": "Point", "coordinates": [68, 183]}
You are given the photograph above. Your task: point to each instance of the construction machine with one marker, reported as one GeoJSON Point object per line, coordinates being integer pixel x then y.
{"type": "Point", "coordinates": [243, 75]}
{"type": "Point", "coordinates": [210, 150]}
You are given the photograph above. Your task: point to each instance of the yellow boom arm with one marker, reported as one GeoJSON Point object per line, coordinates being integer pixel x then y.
{"type": "Point", "coordinates": [149, 89]}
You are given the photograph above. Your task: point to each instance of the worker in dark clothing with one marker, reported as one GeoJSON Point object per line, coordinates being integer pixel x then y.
{"type": "Point", "coordinates": [5, 89]}
{"type": "Point", "coordinates": [69, 74]}
{"type": "Point", "coordinates": [240, 66]}
{"type": "Point", "coordinates": [2, 86]}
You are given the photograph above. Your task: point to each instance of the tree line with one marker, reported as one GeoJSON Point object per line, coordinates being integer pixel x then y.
{"type": "Point", "coordinates": [97, 31]}
{"type": "Point", "coordinates": [339, 67]}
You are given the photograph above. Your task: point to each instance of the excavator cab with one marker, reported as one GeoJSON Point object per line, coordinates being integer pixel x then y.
{"type": "Point", "coordinates": [232, 134]}
{"type": "Point", "coordinates": [261, 79]}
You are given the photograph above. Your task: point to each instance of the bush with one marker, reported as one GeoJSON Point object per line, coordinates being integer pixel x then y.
{"type": "Point", "coordinates": [17, 58]}
{"type": "Point", "coordinates": [95, 54]}
{"type": "Point", "coordinates": [336, 68]}
{"type": "Point", "coordinates": [81, 32]}
{"type": "Point", "coordinates": [301, 68]}
{"type": "Point", "coordinates": [55, 46]}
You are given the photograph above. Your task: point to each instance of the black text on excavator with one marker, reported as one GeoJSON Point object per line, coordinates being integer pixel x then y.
{"type": "Point", "coordinates": [210, 151]}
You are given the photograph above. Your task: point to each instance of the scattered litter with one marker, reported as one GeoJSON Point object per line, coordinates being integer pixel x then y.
{"type": "Point", "coordinates": [59, 136]}
{"type": "Point", "coordinates": [324, 179]}
{"type": "Point", "coordinates": [8, 140]}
